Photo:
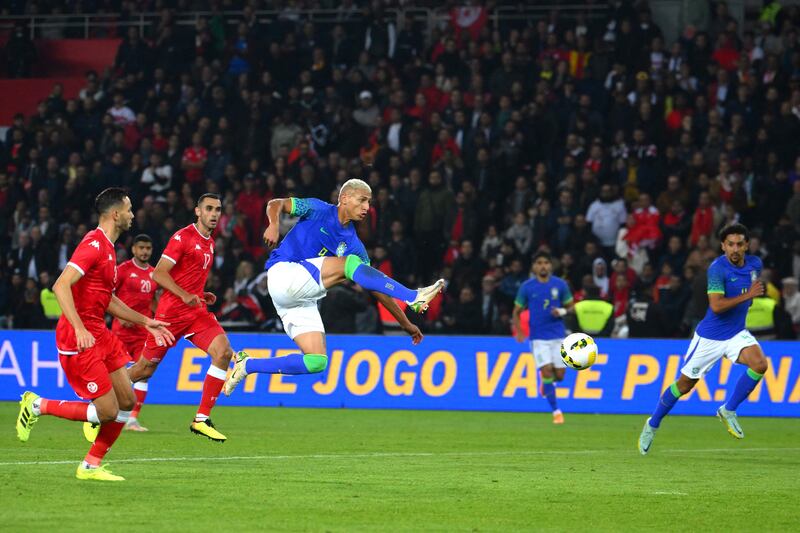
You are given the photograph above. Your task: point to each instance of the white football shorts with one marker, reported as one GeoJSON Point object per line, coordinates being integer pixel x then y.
{"type": "Point", "coordinates": [704, 353]}
{"type": "Point", "coordinates": [295, 292]}
{"type": "Point", "coordinates": [547, 352]}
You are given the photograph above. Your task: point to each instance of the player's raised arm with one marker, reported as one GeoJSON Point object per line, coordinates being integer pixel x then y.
{"type": "Point", "coordinates": [162, 276]}
{"type": "Point", "coordinates": [63, 291]}
{"type": "Point", "coordinates": [275, 207]}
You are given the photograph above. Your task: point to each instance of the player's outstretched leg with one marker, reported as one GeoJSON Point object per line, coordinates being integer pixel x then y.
{"type": "Point", "coordinates": [32, 406]}
{"type": "Point", "coordinates": [293, 364]}
{"type": "Point", "coordinates": [375, 280]}
{"type": "Point", "coordinates": [140, 390]}
{"type": "Point", "coordinates": [754, 358]}
{"type": "Point", "coordinates": [665, 404]}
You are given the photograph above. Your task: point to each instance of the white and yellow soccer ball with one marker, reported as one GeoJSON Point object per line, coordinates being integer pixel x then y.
{"type": "Point", "coordinates": [579, 351]}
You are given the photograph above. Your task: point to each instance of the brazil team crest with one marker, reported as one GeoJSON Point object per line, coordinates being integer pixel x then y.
{"type": "Point", "coordinates": [341, 249]}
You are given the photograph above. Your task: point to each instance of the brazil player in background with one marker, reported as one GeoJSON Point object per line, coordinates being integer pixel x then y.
{"type": "Point", "coordinates": [548, 299]}
{"type": "Point", "coordinates": [320, 251]}
{"type": "Point", "coordinates": [732, 284]}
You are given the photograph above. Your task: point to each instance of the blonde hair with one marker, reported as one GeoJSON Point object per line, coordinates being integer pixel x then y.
{"type": "Point", "coordinates": [354, 184]}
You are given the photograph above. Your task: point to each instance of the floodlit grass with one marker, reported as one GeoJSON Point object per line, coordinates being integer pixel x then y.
{"type": "Point", "coordinates": [362, 470]}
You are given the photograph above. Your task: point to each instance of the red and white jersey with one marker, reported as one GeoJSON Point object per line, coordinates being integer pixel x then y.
{"type": "Point", "coordinates": [135, 286]}
{"type": "Point", "coordinates": [193, 255]}
{"type": "Point", "coordinates": [96, 260]}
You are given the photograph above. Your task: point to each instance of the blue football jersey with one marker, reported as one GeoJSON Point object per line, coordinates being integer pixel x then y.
{"type": "Point", "coordinates": [318, 233]}
{"type": "Point", "coordinates": [730, 280]}
{"type": "Point", "coordinates": [540, 299]}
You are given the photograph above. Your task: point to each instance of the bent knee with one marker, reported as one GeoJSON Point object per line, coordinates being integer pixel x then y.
{"type": "Point", "coordinates": [108, 415]}
{"type": "Point", "coordinates": [315, 362]}
{"type": "Point", "coordinates": [760, 365]}
{"type": "Point", "coordinates": [224, 356]}
{"type": "Point", "coordinates": [127, 403]}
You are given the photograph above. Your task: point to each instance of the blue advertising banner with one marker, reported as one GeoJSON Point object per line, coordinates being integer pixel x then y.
{"type": "Point", "coordinates": [451, 373]}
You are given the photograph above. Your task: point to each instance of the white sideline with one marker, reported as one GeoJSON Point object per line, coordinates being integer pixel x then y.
{"type": "Point", "coordinates": [379, 455]}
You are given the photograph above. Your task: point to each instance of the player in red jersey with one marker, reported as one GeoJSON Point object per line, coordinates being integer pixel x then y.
{"type": "Point", "coordinates": [135, 287]}
{"type": "Point", "coordinates": [92, 357]}
{"type": "Point", "coordinates": [182, 271]}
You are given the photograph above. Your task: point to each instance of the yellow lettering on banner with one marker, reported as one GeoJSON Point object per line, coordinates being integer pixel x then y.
{"type": "Point", "coordinates": [633, 376]}
{"type": "Point", "coordinates": [794, 397]}
{"type": "Point", "coordinates": [407, 379]}
{"type": "Point", "coordinates": [334, 370]}
{"type": "Point", "coordinates": [276, 383]}
{"type": "Point", "coordinates": [450, 372]}
{"type": "Point", "coordinates": [585, 377]}
{"type": "Point", "coordinates": [351, 372]}
{"type": "Point", "coordinates": [188, 369]}
{"type": "Point", "coordinates": [701, 388]}
{"type": "Point", "coordinates": [522, 377]}
{"type": "Point", "coordinates": [776, 384]}
{"type": "Point", "coordinates": [487, 383]}
{"type": "Point", "coordinates": [670, 371]}
{"type": "Point", "coordinates": [250, 380]}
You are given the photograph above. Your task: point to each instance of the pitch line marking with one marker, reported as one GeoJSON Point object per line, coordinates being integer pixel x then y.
{"type": "Point", "coordinates": [379, 455]}
{"type": "Point", "coordinates": [669, 493]}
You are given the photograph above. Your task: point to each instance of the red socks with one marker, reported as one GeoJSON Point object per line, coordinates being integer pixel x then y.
{"type": "Point", "coordinates": [212, 386]}
{"type": "Point", "coordinates": [70, 410]}
{"type": "Point", "coordinates": [108, 434]}
{"type": "Point", "coordinates": [140, 390]}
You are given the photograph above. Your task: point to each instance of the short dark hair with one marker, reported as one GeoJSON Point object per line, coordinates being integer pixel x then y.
{"type": "Point", "coordinates": [211, 195]}
{"type": "Point", "coordinates": [541, 254]}
{"type": "Point", "coordinates": [109, 198]}
{"type": "Point", "coordinates": [142, 237]}
{"type": "Point", "coordinates": [734, 229]}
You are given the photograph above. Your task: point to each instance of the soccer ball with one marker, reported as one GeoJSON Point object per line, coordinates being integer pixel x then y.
{"type": "Point", "coordinates": [579, 351]}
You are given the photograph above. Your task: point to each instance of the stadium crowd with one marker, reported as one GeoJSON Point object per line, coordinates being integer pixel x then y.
{"type": "Point", "coordinates": [620, 152]}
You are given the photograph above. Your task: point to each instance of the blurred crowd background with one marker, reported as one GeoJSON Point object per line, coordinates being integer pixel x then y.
{"type": "Point", "coordinates": [619, 151]}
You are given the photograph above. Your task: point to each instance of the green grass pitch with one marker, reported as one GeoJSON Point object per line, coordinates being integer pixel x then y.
{"type": "Point", "coordinates": [362, 470]}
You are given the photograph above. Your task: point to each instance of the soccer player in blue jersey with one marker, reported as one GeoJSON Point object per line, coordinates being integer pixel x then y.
{"type": "Point", "coordinates": [321, 251]}
{"type": "Point", "coordinates": [548, 299]}
{"type": "Point", "coordinates": [732, 284]}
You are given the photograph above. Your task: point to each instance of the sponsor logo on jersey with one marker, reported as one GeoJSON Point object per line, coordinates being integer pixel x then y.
{"type": "Point", "coordinates": [196, 246]}
{"type": "Point", "coordinates": [133, 275]}
{"type": "Point", "coordinates": [177, 237]}
{"type": "Point", "coordinates": [95, 244]}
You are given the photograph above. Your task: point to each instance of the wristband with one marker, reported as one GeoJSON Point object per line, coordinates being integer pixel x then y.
{"type": "Point", "coordinates": [561, 311]}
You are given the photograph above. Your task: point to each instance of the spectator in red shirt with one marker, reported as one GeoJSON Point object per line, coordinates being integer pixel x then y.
{"type": "Point", "coordinates": [194, 160]}
{"type": "Point", "coordinates": [645, 231]}
{"type": "Point", "coordinates": [703, 219]}
{"type": "Point", "coordinates": [620, 295]}
{"type": "Point", "coordinates": [251, 203]}
{"type": "Point", "coordinates": [726, 54]}
{"type": "Point", "coordinates": [445, 144]}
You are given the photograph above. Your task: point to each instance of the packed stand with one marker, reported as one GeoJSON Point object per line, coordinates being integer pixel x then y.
{"type": "Point", "coordinates": [596, 139]}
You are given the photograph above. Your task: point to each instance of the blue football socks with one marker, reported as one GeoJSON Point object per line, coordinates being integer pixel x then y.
{"type": "Point", "coordinates": [744, 387]}
{"type": "Point", "coordinates": [665, 404]}
{"type": "Point", "coordinates": [375, 280]}
{"type": "Point", "coordinates": [290, 364]}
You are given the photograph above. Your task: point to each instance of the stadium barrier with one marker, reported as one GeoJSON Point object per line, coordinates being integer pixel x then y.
{"type": "Point", "coordinates": [447, 373]}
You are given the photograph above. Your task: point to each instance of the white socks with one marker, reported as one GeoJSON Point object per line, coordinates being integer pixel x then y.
{"type": "Point", "coordinates": [91, 414]}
